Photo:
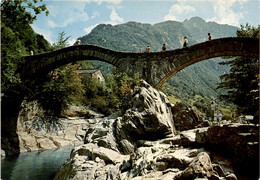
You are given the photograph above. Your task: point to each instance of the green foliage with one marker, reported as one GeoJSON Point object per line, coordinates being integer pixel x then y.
{"type": "Point", "coordinates": [203, 107]}
{"type": "Point", "coordinates": [20, 13]}
{"type": "Point", "coordinates": [10, 55]}
{"type": "Point", "coordinates": [85, 65]}
{"type": "Point", "coordinates": [107, 97]}
{"type": "Point", "coordinates": [241, 83]}
{"type": "Point", "coordinates": [63, 87]}
{"type": "Point", "coordinates": [18, 39]}
{"type": "Point", "coordinates": [62, 41]}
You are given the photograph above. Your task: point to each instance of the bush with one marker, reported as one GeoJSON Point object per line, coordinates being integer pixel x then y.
{"type": "Point", "coordinates": [63, 87]}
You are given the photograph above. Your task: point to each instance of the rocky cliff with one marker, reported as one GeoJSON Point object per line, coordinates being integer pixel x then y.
{"type": "Point", "coordinates": [38, 131]}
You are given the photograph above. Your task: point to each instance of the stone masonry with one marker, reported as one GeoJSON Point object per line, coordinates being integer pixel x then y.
{"type": "Point", "coordinates": [154, 67]}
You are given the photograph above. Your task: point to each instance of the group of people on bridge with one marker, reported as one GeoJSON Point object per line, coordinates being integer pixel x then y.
{"type": "Point", "coordinates": [148, 48]}
{"type": "Point", "coordinates": [185, 44]}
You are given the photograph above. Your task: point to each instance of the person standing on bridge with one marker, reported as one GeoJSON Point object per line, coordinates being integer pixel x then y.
{"type": "Point", "coordinates": [186, 42]}
{"type": "Point", "coordinates": [148, 49]}
{"type": "Point", "coordinates": [78, 42]}
{"type": "Point", "coordinates": [164, 48]}
{"type": "Point", "coordinates": [209, 36]}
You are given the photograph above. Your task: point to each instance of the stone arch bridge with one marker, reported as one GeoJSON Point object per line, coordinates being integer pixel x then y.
{"type": "Point", "coordinates": [154, 67]}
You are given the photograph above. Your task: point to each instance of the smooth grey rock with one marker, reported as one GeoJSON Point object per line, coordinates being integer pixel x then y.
{"type": "Point", "coordinates": [199, 167]}
{"type": "Point", "coordinates": [149, 117]}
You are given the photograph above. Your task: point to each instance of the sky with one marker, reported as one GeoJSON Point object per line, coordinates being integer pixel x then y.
{"type": "Point", "coordinates": [78, 17]}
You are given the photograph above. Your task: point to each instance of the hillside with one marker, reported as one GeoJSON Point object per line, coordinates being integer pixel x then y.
{"type": "Point", "coordinates": [200, 78]}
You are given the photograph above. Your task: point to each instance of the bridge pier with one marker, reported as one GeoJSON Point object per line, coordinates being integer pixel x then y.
{"type": "Point", "coordinates": [150, 71]}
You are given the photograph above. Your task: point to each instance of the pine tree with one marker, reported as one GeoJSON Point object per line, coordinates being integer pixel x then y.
{"type": "Point", "coordinates": [242, 81]}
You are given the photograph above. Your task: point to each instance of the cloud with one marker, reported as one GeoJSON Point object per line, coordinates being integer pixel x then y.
{"type": "Point", "coordinates": [170, 17]}
{"type": "Point", "coordinates": [108, 1]}
{"type": "Point", "coordinates": [95, 14]}
{"type": "Point", "coordinates": [221, 11]}
{"type": "Point", "coordinates": [51, 23]}
{"type": "Point", "coordinates": [65, 13]}
{"type": "Point", "coordinates": [181, 9]}
{"type": "Point", "coordinates": [224, 14]}
{"type": "Point", "coordinates": [178, 9]}
{"type": "Point", "coordinates": [71, 42]}
{"type": "Point", "coordinates": [96, 1]}
{"type": "Point", "coordinates": [87, 30]}
{"type": "Point", "coordinates": [115, 18]}
{"type": "Point", "coordinates": [47, 33]}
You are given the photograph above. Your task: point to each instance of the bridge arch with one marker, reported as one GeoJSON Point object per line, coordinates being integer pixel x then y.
{"type": "Point", "coordinates": [34, 66]}
{"type": "Point", "coordinates": [247, 47]}
{"type": "Point", "coordinates": [154, 67]}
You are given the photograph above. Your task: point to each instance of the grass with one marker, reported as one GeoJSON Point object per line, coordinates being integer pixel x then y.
{"type": "Point", "coordinates": [226, 111]}
{"type": "Point", "coordinates": [174, 99]}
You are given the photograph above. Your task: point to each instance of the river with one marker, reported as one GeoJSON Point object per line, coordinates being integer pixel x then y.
{"type": "Point", "coordinates": [34, 165]}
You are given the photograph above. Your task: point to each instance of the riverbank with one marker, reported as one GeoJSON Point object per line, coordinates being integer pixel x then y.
{"type": "Point", "coordinates": [151, 138]}
{"type": "Point", "coordinates": [37, 132]}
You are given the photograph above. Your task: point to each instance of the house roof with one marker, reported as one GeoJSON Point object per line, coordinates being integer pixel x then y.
{"type": "Point", "coordinates": [218, 111]}
{"type": "Point", "coordinates": [87, 71]}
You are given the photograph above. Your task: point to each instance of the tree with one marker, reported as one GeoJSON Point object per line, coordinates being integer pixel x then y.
{"type": "Point", "coordinates": [241, 83]}
{"type": "Point", "coordinates": [63, 86]}
{"type": "Point", "coordinates": [62, 41]}
{"type": "Point", "coordinates": [17, 39]}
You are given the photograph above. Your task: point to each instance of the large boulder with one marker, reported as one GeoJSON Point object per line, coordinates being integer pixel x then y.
{"type": "Point", "coordinates": [149, 117]}
{"type": "Point", "coordinates": [92, 162]}
{"type": "Point", "coordinates": [102, 132]}
{"type": "Point", "coordinates": [238, 141]}
{"type": "Point", "coordinates": [184, 116]}
{"type": "Point", "coordinates": [199, 167]}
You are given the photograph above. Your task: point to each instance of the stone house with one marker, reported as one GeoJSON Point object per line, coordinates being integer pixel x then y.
{"type": "Point", "coordinates": [218, 115]}
{"type": "Point", "coordinates": [94, 73]}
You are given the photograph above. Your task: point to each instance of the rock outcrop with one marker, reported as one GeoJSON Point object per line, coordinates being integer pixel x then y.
{"type": "Point", "coordinates": [240, 142]}
{"type": "Point", "coordinates": [149, 118]}
{"type": "Point", "coordinates": [185, 117]}
{"type": "Point", "coordinates": [141, 144]}
{"type": "Point", "coordinates": [36, 131]}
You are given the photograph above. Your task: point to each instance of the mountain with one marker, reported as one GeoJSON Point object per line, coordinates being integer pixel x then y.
{"type": "Point", "coordinates": [199, 29]}
{"type": "Point", "coordinates": [200, 78]}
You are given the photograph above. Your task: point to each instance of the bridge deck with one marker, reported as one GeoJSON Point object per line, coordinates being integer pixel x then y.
{"type": "Point", "coordinates": [154, 67]}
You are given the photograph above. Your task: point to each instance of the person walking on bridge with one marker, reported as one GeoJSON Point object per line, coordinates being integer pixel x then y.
{"type": "Point", "coordinates": [186, 42]}
{"type": "Point", "coordinates": [148, 49]}
{"type": "Point", "coordinates": [164, 48]}
{"type": "Point", "coordinates": [78, 42]}
{"type": "Point", "coordinates": [209, 36]}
